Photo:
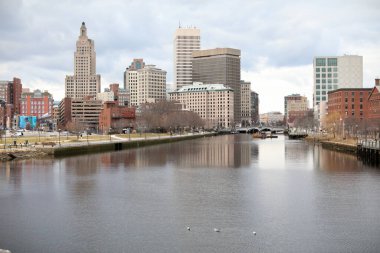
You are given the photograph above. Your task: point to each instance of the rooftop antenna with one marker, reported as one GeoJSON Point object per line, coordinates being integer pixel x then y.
{"type": "Point", "coordinates": [179, 23]}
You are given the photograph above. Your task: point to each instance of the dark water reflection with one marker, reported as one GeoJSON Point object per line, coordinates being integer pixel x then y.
{"type": "Point", "coordinates": [297, 197]}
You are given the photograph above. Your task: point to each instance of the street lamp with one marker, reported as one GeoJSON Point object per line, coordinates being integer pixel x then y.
{"type": "Point", "coordinates": [109, 132]}
{"type": "Point", "coordinates": [87, 136]}
{"type": "Point", "coordinates": [59, 137]}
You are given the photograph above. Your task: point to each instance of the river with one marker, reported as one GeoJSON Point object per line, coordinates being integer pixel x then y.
{"type": "Point", "coordinates": [297, 197]}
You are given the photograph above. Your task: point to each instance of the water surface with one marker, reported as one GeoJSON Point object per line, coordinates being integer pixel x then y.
{"type": "Point", "coordinates": [297, 197]}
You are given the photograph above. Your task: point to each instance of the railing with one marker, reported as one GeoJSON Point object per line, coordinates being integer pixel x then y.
{"type": "Point", "coordinates": [373, 144]}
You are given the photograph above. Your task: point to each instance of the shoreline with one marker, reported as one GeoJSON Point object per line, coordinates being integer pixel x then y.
{"type": "Point", "coordinates": [72, 149]}
{"type": "Point", "coordinates": [344, 146]}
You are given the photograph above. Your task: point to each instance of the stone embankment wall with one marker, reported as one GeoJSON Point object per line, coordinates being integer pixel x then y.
{"type": "Point", "coordinates": [22, 154]}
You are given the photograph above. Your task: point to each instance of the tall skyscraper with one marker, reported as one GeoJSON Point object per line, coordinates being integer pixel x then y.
{"type": "Point", "coordinates": [85, 81]}
{"type": "Point", "coordinates": [186, 40]}
{"type": "Point", "coordinates": [220, 65]}
{"type": "Point", "coordinates": [336, 72]}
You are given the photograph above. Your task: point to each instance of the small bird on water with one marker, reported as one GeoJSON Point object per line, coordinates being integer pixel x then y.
{"type": "Point", "coordinates": [188, 228]}
{"type": "Point", "coordinates": [216, 230]}
{"type": "Point", "coordinates": [254, 233]}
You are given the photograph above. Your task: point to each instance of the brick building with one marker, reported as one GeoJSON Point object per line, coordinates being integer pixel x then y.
{"type": "Point", "coordinates": [114, 117]}
{"type": "Point", "coordinates": [374, 101]}
{"type": "Point", "coordinates": [10, 94]}
{"type": "Point", "coordinates": [36, 103]}
{"type": "Point", "coordinates": [349, 103]}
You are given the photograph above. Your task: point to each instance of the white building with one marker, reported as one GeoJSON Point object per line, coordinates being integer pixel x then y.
{"type": "Point", "coordinates": [186, 40]}
{"type": "Point", "coordinates": [336, 72]}
{"type": "Point", "coordinates": [212, 102]}
{"type": "Point", "coordinates": [105, 96]}
{"type": "Point", "coordinates": [145, 84]}
{"type": "Point", "coordinates": [271, 118]}
{"type": "Point", "coordinates": [85, 81]}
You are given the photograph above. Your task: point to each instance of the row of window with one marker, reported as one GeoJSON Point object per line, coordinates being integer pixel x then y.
{"type": "Point", "coordinates": [329, 75]}
{"type": "Point", "coordinates": [330, 61]}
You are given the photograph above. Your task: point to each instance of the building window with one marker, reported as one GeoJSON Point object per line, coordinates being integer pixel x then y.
{"type": "Point", "coordinates": [320, 62]}
{"type": "Point", "coordinates": [323, 69]}
{"type": "Point", "coordinates": [332, 62]}
{"type": "Point", "coordinates": [335, 80]}
{"type": "Point", "coordinates": [317, 75]}
{"type": "Point", "coordinates": [318, 81]}
{"type": "Point", "coordinates": [317, 87]}
{"type": "Point", "coordinates": [317, 69]}
{"type": "Point", "coordinates": [323, 80]}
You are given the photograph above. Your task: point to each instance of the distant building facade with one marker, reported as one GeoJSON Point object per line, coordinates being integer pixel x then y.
{"type": "Point", "coordinates": [36, 103]}
{"type": "Point", "coordinates": [145, 84]}
{"type": "Point", "coordinates": [82, 113]}
{"type": "Point", "coordinates": [295, 103]}
{"type": "Point", "coordinates": [10, 95]}
{"type": "Point", "coordinates": [222, 66]}
{"type": "Point", "coordinates": [336, 72]}
{"type": "Point", "coordinates": [113, 118]}
{"type": "Point", "coordinates": [186, 40]}
{"type": "Point", "coordinates": [246, 109]}
{"type": "Point", "coordinates": [212, 102]}
{"type": "Point", "coordinates": [374, 101]}
{"type": "Point", "coordinates": [349, 103]}
{"type": "Point", "coordinates": [85, 81]}
{"type": "Point", "coordinates": [271, 118]}
{"type": "Point", "coordinates": [255, 118]}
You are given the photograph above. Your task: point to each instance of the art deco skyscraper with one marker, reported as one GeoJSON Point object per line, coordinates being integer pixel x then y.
{"type": "Point", "coordinates": [186, 40]}
{"type": "Point", "coordinates": [85, 81]}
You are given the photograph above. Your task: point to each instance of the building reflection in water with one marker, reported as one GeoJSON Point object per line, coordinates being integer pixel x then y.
{"type": "Point", "coordinates": [224, 151]}
{"type": "Point", "coordinates": [329, 160]}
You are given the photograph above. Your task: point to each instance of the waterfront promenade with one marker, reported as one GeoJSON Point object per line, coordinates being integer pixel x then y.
{"type": "Point", "coordinates": [23, 148]}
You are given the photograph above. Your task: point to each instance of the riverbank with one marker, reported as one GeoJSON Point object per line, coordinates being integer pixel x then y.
{"type": "Point", "coordinates": [336, 144]}
{"type": "Point", "coordinates": [78, 148]}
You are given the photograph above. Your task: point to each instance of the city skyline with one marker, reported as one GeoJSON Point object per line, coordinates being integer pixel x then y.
{"type": "Point", "coordinates": [278, 42]}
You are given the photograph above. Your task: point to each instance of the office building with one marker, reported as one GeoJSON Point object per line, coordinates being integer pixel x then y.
{"type": "Point", "coordinates": [295, 103]}
{"type": "Point", "coordinates": [146, 84]}
{"type": "Point", "coordinates": [130, 74]}
{"type": "Point", "coordinates": [212, 102]}
{"type": "Point", "coordinates": [186, 40]}
{"type": "Point", "coordinates": [220, 65]}
{"type": "Point", "coordinates": [80, 114]}
{"type": "Point", "coordinates": [336, 72]}
{"type": "Point", "coordinates": [85, 81]}
{"type": "Point", "coordinates": [255, 118]}
{"type": "Point", "coordinates": [246, 106]}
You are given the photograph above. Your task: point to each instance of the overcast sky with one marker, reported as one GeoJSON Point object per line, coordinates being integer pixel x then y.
{"type": "Point", "coordinates": [278, 39]}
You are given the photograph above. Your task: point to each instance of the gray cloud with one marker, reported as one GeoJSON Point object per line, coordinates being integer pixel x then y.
{"type": "Point", "coordinates": [38, 37]}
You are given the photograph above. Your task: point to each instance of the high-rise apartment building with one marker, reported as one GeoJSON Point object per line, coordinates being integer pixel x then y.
{"type": "Point", "coordinates": [212, 102]}
{"type": "Point", "coordinates": [186, 40]}
{"type": "Point", "coordinates": [220, 65]}
{"type": "Point", "coordinates": [245, 103]}
{"type": "Point", "coordinates": [336, 72]}
{"type": "Point", "coordinates": [145, 84]}
{"type": "Point", "coordinates": [85, 81]}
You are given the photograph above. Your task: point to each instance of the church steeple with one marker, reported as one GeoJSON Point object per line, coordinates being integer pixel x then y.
{"type": "Point", "coordinates": [83, 30]}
